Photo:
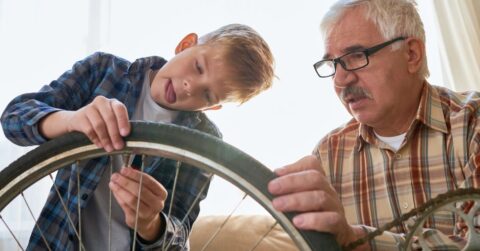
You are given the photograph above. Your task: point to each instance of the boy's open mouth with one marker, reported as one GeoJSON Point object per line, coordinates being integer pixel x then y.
{"type": "Point", "coordinates": [170, 95]}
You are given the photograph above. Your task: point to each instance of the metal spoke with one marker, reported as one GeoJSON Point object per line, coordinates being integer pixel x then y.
{"type": "Point", "coordinates": [470, 219]}
{"type": "Point", "coordinates": [127, 159]}
{"type": "Point", "coordinates": [191, 207]}
{"type": "Point", "coordinates": [161, 141]}
{"type": "Point", "coordinates": [263, 237]}
{"type": "Point", "coordinates": [79, 211]}
{"type": "Point", "coordinates": [138, 203]}
{"type": "Point", "coordinates": [66, 210]}
{"type": "Point", "coordinates": [110, 167]}
{"type": "Point", "coordinates": [177, 170]}
{"type": "Point", "coordinates": [13, 235]}
{"type": "Point", "coordinates": [36, 223]}
{"type": "Point", "coordinates": [224, 222]}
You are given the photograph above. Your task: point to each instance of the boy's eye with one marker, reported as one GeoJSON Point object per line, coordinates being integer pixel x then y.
{"type": "Point", "coordinates": [198, 67]}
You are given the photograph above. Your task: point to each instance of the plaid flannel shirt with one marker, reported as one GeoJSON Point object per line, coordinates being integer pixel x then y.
{"type": "Point", "coordinates": [377, 184]}
{"type": "Point", "coordinates": [106, 75]}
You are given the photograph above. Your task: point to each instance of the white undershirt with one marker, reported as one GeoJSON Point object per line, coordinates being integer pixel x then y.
{"type": "Point", "coordinates": [148, 110]}
{"type": "Point", "coordinates": [95, 214]}
{"type": "Point", "coordinates": [394, 141]}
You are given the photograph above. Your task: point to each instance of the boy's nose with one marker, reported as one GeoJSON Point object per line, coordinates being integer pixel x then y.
{"type": "Point", "coordinates": [187, 87]}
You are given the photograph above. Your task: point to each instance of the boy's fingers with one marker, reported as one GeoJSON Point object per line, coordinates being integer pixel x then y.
{"type": "Point", "coordinates": [89, 131]}
{"type": "Point", "coordinates": [97, 124]}
{"type": "Point", "coordinates": [148, 182]}
{"type": "Point", "coordinates": [127, 193]}
{"type": "Point", "coordinates": [126, 200]}
{"type": "Point", "coordinates": [109, 117]}
{"type": "Point", "coordinates": [121, 115]}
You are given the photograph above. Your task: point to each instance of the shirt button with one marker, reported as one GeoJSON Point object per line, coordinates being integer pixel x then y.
{"type": "Point", "coordinates": [84, 196]}
{"type": "Point", "coordinates": [398, 156]}
{"type": "Point", "coordinates": [405, 205]}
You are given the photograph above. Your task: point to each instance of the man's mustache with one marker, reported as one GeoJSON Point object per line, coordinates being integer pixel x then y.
{"type": "Point", "coordinates": [354, 92]}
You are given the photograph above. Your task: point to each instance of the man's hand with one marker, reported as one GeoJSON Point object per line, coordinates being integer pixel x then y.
{"type": "Point", "coordinates": [125, 186]}
{"type": "Point", "coordinates": [303, 188]}
{"type": "Point", "coordinates": [104, 121]}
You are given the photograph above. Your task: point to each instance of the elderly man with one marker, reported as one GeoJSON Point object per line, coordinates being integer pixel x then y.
{"type": "Point", "coordinates": [407, 142]}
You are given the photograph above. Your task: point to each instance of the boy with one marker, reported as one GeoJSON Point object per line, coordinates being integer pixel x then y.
{"type": "Point", "coordinates": [98, 96]}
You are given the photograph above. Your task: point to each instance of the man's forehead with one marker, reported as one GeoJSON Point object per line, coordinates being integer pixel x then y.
{"type": "Point", "coordinates": [350, 31]}
{"type": "Point", "coordinates": [338, 47]}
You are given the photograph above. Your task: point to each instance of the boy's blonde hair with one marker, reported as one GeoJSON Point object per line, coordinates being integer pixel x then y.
{"type": "Point", "coordinates": [249, 60]}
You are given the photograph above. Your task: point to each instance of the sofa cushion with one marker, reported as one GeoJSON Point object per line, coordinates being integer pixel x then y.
{"type": "Point", "coordinates": [240, 233]}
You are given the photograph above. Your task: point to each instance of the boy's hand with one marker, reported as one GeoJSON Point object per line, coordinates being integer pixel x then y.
{"type": "Point", "coordinates": [125, 186]}
{"type": "Point", "coordinates": [104, 121]}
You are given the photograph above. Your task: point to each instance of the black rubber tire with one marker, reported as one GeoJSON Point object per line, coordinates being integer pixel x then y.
{"type": "Point", "coordinates": [19, 175]}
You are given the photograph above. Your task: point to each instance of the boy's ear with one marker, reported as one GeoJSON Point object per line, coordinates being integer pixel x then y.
{"type": "Point", "coordinates": [187, 42]}
{"type": "Point", "coordinates": [213, 108]}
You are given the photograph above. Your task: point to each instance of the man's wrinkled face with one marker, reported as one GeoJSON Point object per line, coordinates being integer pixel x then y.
{"type": "Point", "coordinates": [373, 93]}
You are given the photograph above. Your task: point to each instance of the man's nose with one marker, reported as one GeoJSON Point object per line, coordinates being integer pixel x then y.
{"type": "Point", "coordinates": [342, 77]}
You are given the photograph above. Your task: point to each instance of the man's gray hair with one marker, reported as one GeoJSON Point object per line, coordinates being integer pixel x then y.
{"type": "Point", "coordinates": [392, 17]}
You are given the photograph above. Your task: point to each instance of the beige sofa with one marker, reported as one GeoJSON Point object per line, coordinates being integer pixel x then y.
{"type": "Point", "coordinates": [240, 233]}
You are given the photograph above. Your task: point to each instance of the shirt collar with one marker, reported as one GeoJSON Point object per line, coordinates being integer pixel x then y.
{"type": "Point", "coordinates": [429, 113]}
{"type": "Point", "coordinates": [142, 64]}
{"type": "Point", "coordinates": [188, 118]}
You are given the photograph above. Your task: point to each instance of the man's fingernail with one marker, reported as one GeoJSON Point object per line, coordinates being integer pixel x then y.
{"type": "Point", "coordinates": [278, 204]}
{"type": "Point", "coordinates": [274, 187]}
{"type": "Point", "coordinates": [278, 170]}
{"type": "Point", "coordinates": [298, 221]}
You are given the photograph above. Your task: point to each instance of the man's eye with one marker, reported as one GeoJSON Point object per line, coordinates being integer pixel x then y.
{"type": "Point", "coordinates": [357, 55]}
{"type": "Point", "coordinates": [198, 67]}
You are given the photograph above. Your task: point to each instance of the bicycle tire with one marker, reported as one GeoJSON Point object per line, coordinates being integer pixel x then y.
{"type": "Point", "coordinates": [167, 140]}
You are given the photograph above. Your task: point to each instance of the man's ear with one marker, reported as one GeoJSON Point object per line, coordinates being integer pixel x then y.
{"type": "Point", "coordinates": [415, 54]}
{"type": "Point", "coordinates": [187, 42]}
{"type": "Point", "coordinates": [213, 108]}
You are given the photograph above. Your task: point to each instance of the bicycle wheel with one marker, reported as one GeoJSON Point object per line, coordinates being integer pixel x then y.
{"type": "Point", "coordinates": [170, 141]}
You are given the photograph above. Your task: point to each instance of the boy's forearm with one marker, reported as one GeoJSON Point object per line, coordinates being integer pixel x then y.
{"type": "Point", "coordinates": [54, 124]}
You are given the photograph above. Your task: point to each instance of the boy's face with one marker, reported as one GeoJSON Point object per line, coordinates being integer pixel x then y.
{"type": "Point", "coordinates": [193, 80]}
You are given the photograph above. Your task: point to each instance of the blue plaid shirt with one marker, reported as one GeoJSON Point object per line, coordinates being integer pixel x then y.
{"type": "Point", "coordinates": [106, 75]}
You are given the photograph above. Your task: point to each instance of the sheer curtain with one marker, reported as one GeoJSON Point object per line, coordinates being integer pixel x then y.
{"type": "Point", "coordinates": [459, 26]}
{"type": "Point", "coordinates": [39, 40]}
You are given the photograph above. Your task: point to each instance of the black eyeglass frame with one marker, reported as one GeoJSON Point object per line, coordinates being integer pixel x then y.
{"type": "Point", "coordinates": [368, 52]}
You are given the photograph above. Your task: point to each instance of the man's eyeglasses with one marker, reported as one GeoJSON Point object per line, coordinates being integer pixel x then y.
{"type": "Point", "coordinates": [351, 61]}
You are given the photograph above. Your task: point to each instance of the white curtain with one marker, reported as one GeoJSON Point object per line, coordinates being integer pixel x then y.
{"type": "Point", "coordinates": [38, 42]}
{"type": "Point", "coordinates": [459, 29]}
